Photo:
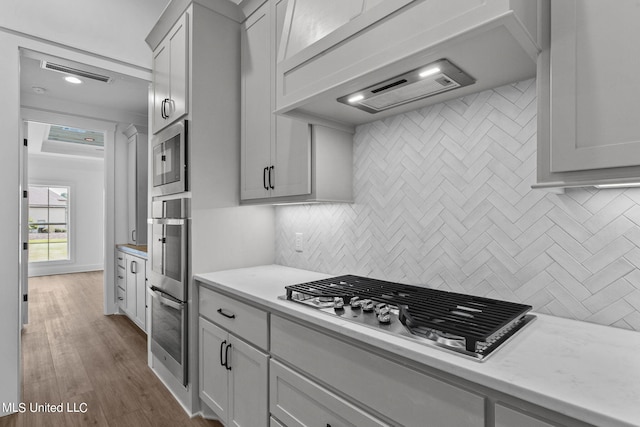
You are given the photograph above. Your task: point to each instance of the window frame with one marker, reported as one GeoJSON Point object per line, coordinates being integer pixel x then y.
{"type": "Point", "coordinates": [70, 253]}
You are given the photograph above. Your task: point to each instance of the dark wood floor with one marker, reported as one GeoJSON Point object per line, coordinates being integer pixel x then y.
{"type": "Point", "coordinates": [72, 354]}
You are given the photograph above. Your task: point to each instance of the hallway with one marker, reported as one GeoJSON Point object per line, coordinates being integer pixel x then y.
{"type": "Point", "coordinates": [73, 354]}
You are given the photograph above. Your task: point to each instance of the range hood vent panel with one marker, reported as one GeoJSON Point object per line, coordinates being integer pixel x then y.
{"type": "Point", "coordinates": [75, 72]}
{"type": "Point", "coordinates": [409, 87]}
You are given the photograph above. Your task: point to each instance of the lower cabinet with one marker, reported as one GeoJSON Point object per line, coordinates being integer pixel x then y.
{"type": "Point", "coordinates": [396, 392]}
{"type": "Point", "coordinates": [131, 285]}
{"type": "Point", "coordinates": [233, 377]}
{"type": "Point", "coordinates": [299, 402]}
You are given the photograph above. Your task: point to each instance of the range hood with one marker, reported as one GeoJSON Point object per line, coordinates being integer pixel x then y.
{"type": "Point", "coordinates": [432, 79]}
{"type": "Point", "coordinates": [402, 55]}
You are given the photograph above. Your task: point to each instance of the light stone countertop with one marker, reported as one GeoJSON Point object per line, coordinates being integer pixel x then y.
{"type": "Point", "coordinates": [583, 370]}
{"type": "Point", "coordinates": [139, 250]}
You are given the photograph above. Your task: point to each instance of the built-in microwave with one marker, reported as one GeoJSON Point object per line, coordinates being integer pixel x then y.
{"type": "Point", "coordinates": [169, 160]}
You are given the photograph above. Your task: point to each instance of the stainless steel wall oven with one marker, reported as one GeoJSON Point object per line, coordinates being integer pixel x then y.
{"type": "Point", "coordinates": [168, 284]}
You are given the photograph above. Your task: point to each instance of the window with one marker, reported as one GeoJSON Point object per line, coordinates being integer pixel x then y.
{"type": "Point", "coordinates": [48, 223]}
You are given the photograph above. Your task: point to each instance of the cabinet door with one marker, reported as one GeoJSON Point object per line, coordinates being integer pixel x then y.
{"type": "Point", "coordinates": [507, 417]}
{"type": "Point", "coordinates": [292, 153]}
{"type": "Point", "coordinates": [291, 150]}
{"type": "Point", "coordinates": [213, 375]}
{"type": "Point", "coordinates": [141, 291]}
{"type": "Point", "coordinates": [256, 117]}
{"type": "Point", "coordinates": [161, 70]}
{"type": "Point", "coordinates": [594, 85]}
{"type": "Point", "coordinates": [132, 215]}
{"type": "Point", "coordinates": [248, 385]}
{"type": "Point", "coordinates": [179, 68]}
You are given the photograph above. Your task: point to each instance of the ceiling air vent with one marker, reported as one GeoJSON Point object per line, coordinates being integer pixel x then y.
{"type": "Point", "coordinates": [432, 79]}
{"type": "Point", "coordinates": [74, 71]}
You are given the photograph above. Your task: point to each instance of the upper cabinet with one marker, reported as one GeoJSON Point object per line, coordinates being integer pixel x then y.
{"type": "Point", "coordinates": [588, 128]}
{"type": "Point", "coordinates": [170, 76]}
{"type": "Point", "coordinates": [380, 49]}
{"type": "Point", "coordinates": [283, 159]}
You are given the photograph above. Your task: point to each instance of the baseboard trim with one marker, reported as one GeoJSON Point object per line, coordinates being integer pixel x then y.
{"type": "Point", "coordinates": [49, 270]}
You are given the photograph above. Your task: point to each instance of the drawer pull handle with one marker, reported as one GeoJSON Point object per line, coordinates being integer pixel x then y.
{"type": "Point", "coordinates": [120, 299]}
{"type": "Point", "coordinates": [228, 316]}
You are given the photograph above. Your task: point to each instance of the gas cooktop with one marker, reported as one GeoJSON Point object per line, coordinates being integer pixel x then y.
{"type": "Point", "coordinates": [468, 325]}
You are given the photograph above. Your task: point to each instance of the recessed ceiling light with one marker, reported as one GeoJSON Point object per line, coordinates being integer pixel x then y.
{"type": "Point", "coordinates": [38, 90]}
{"type": "Point", "coordinates": [356, 98]}
{"type": "Point", "coordinates": [74, 80]}
{"type": "Point", "coordinates": [429, 72]}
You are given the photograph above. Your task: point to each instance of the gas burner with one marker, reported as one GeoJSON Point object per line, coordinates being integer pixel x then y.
{"type": "Point", "coordinates": [464, 324]}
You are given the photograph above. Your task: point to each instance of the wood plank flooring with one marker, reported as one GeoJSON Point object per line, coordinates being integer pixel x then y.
{"type": "Point", "coordinates": [74, 354]}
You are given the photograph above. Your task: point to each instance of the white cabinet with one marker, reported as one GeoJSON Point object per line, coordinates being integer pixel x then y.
{"type": "Point", "coordinates": [137, 152]}
{"type": "Point", "coordinates": [131, 285]}
{"type": "Point", "coordinates": [395, 391]}
{"type": "Point", "coordinates": [507, 417]}
{"type": "Point", "coordinates": [332, 50]}
{"type": "Point", "coordinates": [233, 377]}
{"type": "Point", "coordinates": [299, 402]}
{"type": "Point", "coordinates": [588, 129]}
{"type": "Point", "coordinates": [233, 372]}
{"type": "Point", "coordinates": [281, 158]}
{"type": "Point", "coordinates": [121, 281]}
{"type": "Point", "coordinates": [170, 74]}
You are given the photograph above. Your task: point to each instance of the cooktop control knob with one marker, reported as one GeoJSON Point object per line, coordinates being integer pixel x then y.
{"type": "Point", "coordinates": [379, 306]}
{"type": "Point", "coordinates": [338, 303]}
{"type": "Point", "coordinates": [384, 315]}
{"type": "Point", "coordinates": [367, 305]}
{"type": "Point", "coordinates": [354, 302]}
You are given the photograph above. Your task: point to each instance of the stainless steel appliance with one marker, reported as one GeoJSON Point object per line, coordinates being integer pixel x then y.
{"type": "Point", "coordinates": [468, 325]}
{"type": "Point", "coordinates": [169, 160]}
{"type": "Point", "coordinates": [168, 284]}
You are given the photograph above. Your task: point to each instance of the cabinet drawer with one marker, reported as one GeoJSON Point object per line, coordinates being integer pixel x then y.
{"type": "Point", "coordinates": [120, 259]}
{"type": "Point", "coordinates": [399, 393]}
{"type": "Point", "coordinates": [120, 277]}
{"type": "Point", "coordinates": [121, 297]}
{"type": "Point", "coordinates": [240, 319]}
{"type": "Point", "coordinates": [299, 402]}
{"type": "Point", "coordinates": [506, 417]}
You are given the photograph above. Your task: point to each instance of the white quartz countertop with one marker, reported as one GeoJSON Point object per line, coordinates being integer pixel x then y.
{"type": "Point", "coordinates": [585, 371]}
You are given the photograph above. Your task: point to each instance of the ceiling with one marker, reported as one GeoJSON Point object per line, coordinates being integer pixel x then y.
{"type": "Point", "coordinates": [46, 89]}
{"type": "Point", "coordinates": [123, 93]}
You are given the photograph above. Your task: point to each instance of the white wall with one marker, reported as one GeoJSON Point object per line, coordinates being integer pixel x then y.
{"type": "Point", "coordinates": [9, 215]}
{"type": "Point", "coordinates": [115, 28]}
{"type": "Point", "coordinates": [85, 177]}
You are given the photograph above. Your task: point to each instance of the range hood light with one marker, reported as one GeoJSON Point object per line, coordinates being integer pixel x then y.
{"type": "Point", "coordinates": [356, 98]}
{"type": "Point", "coordinates": [429, 72]}
{"type": "Point", "coordinates": [631, 184]}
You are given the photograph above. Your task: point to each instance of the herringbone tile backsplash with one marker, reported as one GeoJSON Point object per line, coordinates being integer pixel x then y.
{"type": "Point", "coordinates": [443, 199]}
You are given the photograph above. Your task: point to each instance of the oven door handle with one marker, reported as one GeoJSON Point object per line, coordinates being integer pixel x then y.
{"type": "Point", "coordinates": [167, 302]}
{"type": "Point", "coordinates": [169, 221]}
